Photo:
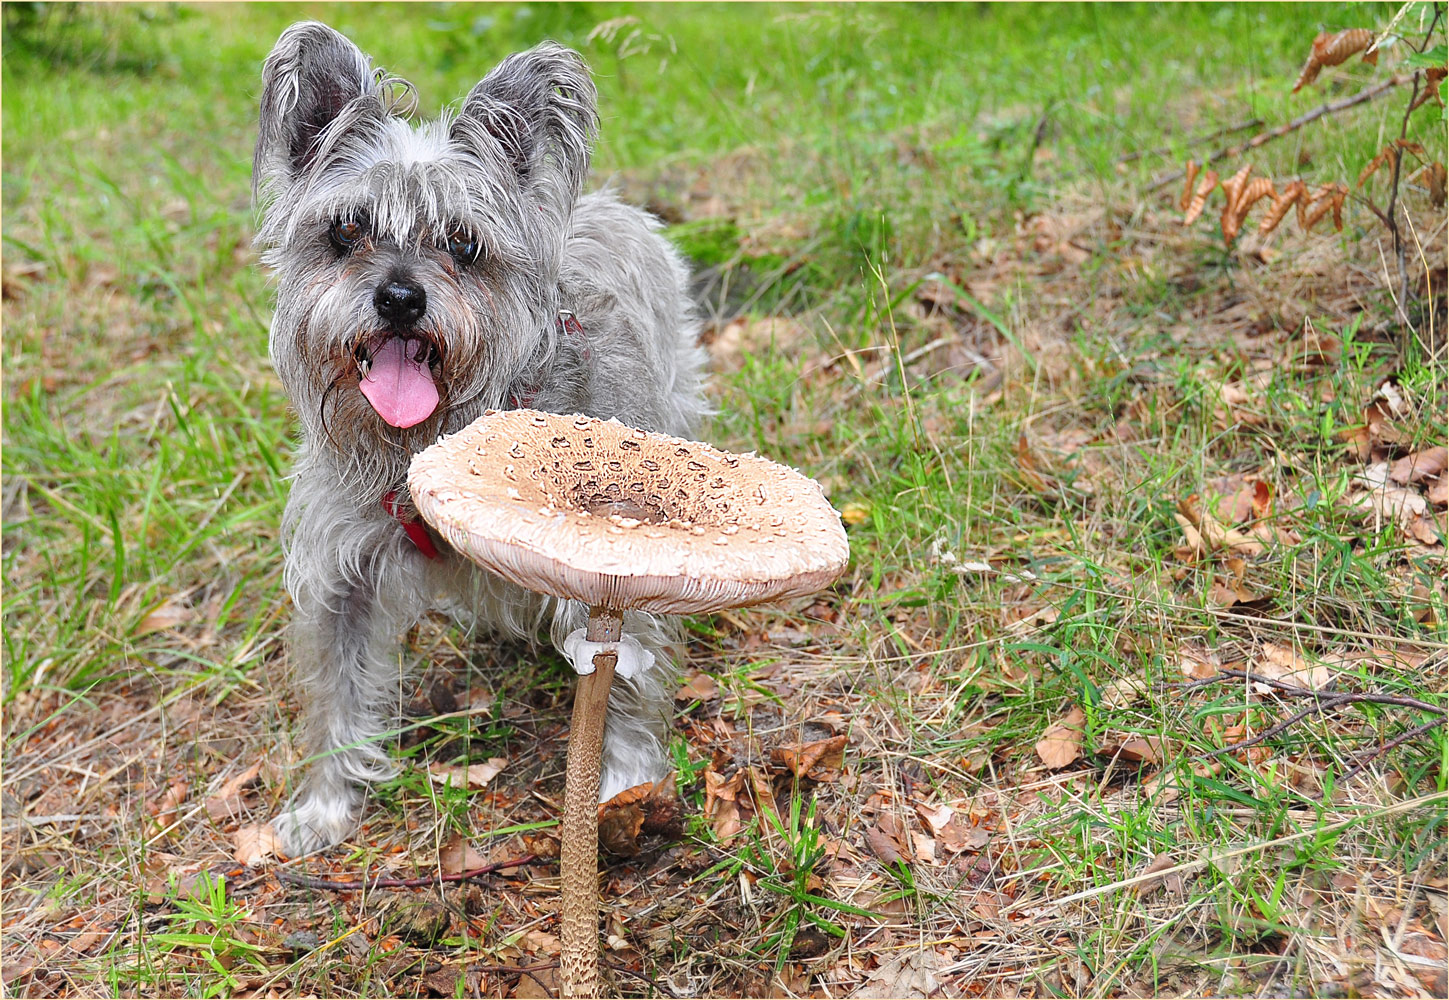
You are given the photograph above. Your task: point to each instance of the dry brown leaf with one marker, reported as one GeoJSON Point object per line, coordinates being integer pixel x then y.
{"type": "Point", "coordinates": [539, 942]}
{"type": "Point", "coordinates": [1199, 198]}
{"type": "Point", "coordinates": [1146, 749]}
{"type": "Point", "coordinates": [1213, 535]}
{"type": "Point", "coordinates": [821, 760]}
{"type": "Point", "coordinates": [458, 855]}
{"type": "Point", "coordinates": [1291, 195]}
{"type": "Point", "coordinates": [1420, 465]}
{"type": "Point", "coordinates": [1333, 50]}
{"type": "Point", "coordinates": [472, 776]}
{"type": "Point", "coordinates": [745, 336]}
{"type": "Point", "coordinates": [1190, 171]}
{"type": "Point", "coordinates": [1433, 76]}
{"type": "Point", "coordinates": [1061, 743]}
{"type": "Point", "coordinates": [1198, 663]}
{"type": "Point", "coordinates": [175, 610]}
{"type": "Point", "coordinates": [254, 844]}
{"type": "Point", "coordinates": [1122, 692]}
{"type": "Point", "coordinates": [227, 801]}
{"type": "Point", "coordinates": [700, 687]}
{"type": "Point", "coordinates": [906, 977]}
{"type": "Point", "coordinates": [1434, 177]}
{"type": "Point", "coordinates": [1405, 507]}
{"type": "Point", "coordinates": [721, 803]}
{"type": "Point", "coordinates": [1160, 862]}
{"type": "Point", "coordinates": [882, 845]}
{"type": "Point", "coordinates": [1282, 663]}
{"type": "Point", "coordinates": [165, 807]}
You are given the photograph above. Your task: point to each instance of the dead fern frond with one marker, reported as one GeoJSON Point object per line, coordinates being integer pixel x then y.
{"type": "Point", "coordinates": [1291, 195]}
{"type": "Point", "coordinates": [1328, 198]}
{"type": "Point", "coordinates": [1385, 154]}
{"type": "Point", "coordinates": [1432, 78]}
{"type": "Point", "coordinates": [1331, 50]}
{"type": "Point", "coordinates": [1191, 170]}
{"type": "Point", "coordinates": [1234, 188]}
{"type": "Point", "coordinates": [1434, 177]}
{"type": "Point", "coordinates": [1199, 200]}
{"type": "Point", "coordinates": [1390, 155]}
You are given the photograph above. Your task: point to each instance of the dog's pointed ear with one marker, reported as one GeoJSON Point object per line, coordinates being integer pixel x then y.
{"type": "Point", "coordinates": [313, 78]}
{"type": "Point", "coordinates": [539, 111]}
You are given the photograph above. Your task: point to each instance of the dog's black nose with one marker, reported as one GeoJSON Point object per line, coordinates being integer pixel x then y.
{"type": "Point", "coordinates": [400, 303]}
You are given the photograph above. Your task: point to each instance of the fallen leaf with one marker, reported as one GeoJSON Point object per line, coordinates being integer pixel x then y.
{"type": "Point", "coordinates": [458, 855]}
{"type": "Point", "coordinates": [1420, 465]}
{"type": "Point", "coordinates": [908, 976]}
{"type": "Point", "coordinates": [1122, 692]}
{"type": "Point", "coordinates": [537, 985]}
{"type": "Point", "coordinates": [1161, 862]}
{"type": "Point", "coordinates": [1145, 749]}
{"type": "Point", "coordinates": [700, 687]}
{"type": "Point", "coordinates": [653, 807]}
{"type": "Point", "coordinates": [472, 776]}
{"type": "Point", "coordinates": [175, 610]}
{"type": "Point", "coordinates": [165, 808]}
{"type": "Point", "coordinates": [254, 844]}
{"type": "Point", "coordinates": [1282, 663]}
{"type": "Point", "coordinates": [227, 801]}
{"type": "Point", "coordinates": [721, 804]}
{"type": "Point", "coordinates": [744, 336]}
{"type": "Point", "coordinates": [882, 845]}
{"type": "Point", "coordinates": [539, 942]}
{"type": "Point", "coordinates": [855, 513]}
{"type": "Point", "coordinates": [1213, 534]}
{"type": "Point", "coordinates": [820, 761]}
{"type": "Point", "coordinates": [1061, 743]}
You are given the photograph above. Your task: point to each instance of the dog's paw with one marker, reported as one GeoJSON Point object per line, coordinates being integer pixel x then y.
{"type": "Point", "coordinates": [315, 823]}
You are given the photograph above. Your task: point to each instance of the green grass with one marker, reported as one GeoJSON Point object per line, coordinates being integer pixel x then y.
{"type": "Point", "coordinates": [881, 175]}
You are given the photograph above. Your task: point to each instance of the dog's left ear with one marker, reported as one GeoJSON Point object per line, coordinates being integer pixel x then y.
{"type": "Point", "coordinates": [539, 109]}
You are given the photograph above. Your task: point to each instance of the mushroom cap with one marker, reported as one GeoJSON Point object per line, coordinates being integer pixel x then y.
{"type": "Point", "coordinates": [596, 511]}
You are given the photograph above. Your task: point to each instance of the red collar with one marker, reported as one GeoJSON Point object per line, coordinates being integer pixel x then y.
{"type": "Point", "coordinates": [412, 524]}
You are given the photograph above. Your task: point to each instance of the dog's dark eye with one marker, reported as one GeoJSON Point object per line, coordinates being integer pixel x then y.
{"type": "Point", "coordinates": [463, 245]}
{"type": "Point", "coordinates": [346, 234]}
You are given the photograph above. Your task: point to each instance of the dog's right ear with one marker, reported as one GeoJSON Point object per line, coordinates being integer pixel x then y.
{"type": "Point", "coordinates": [316, 85]}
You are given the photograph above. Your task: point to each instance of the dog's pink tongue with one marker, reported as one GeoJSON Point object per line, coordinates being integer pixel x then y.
{"type": "Point", "coordinates": [400, 389]}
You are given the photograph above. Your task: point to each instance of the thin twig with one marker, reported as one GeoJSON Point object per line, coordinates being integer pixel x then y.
{"type": "Point", "coordinates": [1367, 94]}
{"type": "Point", "coordinates": [1399, 740]}
{"type": "Point", "coordinates": [1164, 150]}
{"type": "Point", "coordinates": [313, 882]}
{"type": "Point", "coordinates": [1332, 701]}
{"type": "Point", "coordinates": [1346, 697]}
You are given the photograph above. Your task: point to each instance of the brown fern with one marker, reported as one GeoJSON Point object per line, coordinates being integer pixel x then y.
{"type": "Point", "coordinates": [1292, 195]}
{"type": "Point", "coordinates": [1199, 200]}
{"type": "Point", "coordinates": [1186, 199]}
{"type": "Point", "coordinates": [1331, 50]}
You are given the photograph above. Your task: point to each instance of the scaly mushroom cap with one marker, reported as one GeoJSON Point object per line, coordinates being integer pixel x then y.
{"type": "Point", "coordinates": [603, 513]}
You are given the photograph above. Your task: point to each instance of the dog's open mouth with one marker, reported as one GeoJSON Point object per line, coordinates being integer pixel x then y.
{"type": "Point", "coordinates": [397, 378]}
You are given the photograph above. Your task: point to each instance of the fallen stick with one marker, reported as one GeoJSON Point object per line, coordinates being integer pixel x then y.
{"type": "Point", "coordinates": [1277, 132]}
{"type": "Point", "coordinates": [313, 882]}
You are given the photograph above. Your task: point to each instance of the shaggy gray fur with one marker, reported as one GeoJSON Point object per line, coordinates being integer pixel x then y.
{"type": "Point", "coordinates": [506, 171]}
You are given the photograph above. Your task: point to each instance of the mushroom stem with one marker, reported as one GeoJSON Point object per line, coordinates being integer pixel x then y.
{"type": "Point", "coordinates": [579, 840]}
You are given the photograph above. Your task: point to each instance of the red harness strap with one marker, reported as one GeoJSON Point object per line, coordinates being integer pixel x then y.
{"type": "Point", "coordinates": [412, 525]}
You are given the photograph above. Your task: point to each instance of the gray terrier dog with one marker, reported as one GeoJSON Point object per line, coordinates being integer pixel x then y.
{"type": "Point", "coordinates": [426, 274]}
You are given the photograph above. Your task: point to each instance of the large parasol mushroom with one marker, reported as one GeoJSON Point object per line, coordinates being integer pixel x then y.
{"type": "Point", "coordinates": [595, 511]}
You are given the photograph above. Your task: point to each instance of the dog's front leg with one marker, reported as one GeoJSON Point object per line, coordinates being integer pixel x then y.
{"type": "Point", "coordinates": [344, 647]}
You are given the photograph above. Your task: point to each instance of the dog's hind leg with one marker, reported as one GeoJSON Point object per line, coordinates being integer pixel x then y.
{"type": "Point", "coordinates": [345, 650]}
